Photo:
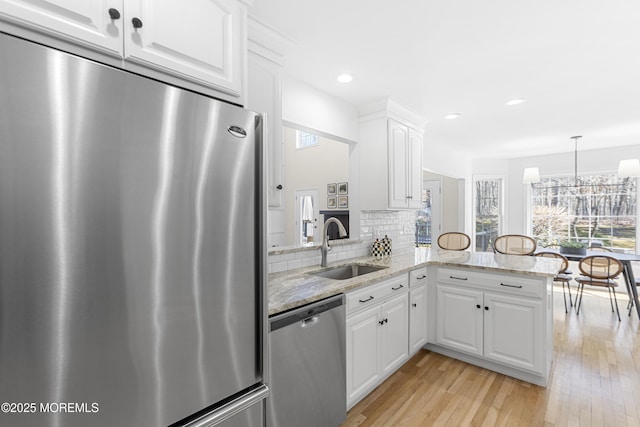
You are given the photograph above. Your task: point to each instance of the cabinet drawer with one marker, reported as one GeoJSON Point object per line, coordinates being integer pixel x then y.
{"type": "Point", "coordinates": [374, 294]}
{"type": "Point", "coordinates": [418, 277]}
{"type": "Point", "coordinates": [516, 285]}
{"type": "Point", "coordinates": [462, 277]}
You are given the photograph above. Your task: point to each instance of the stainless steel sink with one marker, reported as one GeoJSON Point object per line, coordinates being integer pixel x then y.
{"type": "Point", "coordinates": [346, 271]}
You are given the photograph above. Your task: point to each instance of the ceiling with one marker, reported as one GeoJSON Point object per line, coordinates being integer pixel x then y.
{"type": "Point", "coordinates": [577, 62]}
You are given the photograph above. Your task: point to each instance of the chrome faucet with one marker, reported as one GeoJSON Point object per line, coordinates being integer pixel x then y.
{"type": "Point", "coordinates": [325, 238]}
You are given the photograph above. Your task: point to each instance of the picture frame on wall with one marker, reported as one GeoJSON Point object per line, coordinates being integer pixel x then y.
{"type": "Point", "coordinates": [332, 189]}
{"type": "Point", "coordinates": [332, 202]}
{"type": "Point", "coordinates": [343, 188]}
{"type": "Point", "coordinates": [343, 202]}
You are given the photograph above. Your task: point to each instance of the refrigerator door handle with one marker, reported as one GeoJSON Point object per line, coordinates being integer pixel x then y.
{"type": "Point", "coordinates": [232, 408]}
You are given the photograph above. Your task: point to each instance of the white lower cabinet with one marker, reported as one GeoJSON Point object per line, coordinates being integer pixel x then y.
{"type": "Point", "coordinates": [417, 319]}
{"type": "Point", "coordinates": [459, 322]}
{"type": "Point", "coordinates": [377, 335]}
{"type": "Point", "coordinates": [512, 332]}
{"type": "Point", "coordinates": [363, 359]}
{"type": "Point", "coordinates": [394, 332]}
{"type": "Point", "coordinates": [501, 328]}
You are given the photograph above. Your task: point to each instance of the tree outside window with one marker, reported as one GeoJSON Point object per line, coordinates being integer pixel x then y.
{"type": "Point", "coordinates": [595, 210]}
{"type": "Point", "coordinates": [488, 202]}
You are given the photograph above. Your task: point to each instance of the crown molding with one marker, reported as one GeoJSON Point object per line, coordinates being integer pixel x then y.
{"type": "Point", "coordinates": [267, 42]}
{"type": "Point", "coordinates": [388, 108]}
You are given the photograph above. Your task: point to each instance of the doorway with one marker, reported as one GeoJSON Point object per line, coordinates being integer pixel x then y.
{"type": "Point", "coordinates": [307, 213]}
{"type": "Point", "coordinates": [428, 218]}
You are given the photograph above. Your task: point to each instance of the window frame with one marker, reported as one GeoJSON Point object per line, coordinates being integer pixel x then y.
{"type": "Point", "coordinates": [530, 205]}
{"type": "Point", "coordinates": [502, 202]}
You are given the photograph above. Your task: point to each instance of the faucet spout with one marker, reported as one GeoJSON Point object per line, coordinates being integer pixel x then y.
{"type": "Point", "coordinates": [325, 248]}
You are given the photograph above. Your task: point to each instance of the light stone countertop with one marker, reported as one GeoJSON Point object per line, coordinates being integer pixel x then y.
{"type": "Point", "coordinates": [295, 288]}
{"type": "Point", "coordinates": [278, 250]}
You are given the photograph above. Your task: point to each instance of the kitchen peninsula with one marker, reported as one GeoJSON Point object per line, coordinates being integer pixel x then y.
{"type": "Point", "coordinates": [491, 310]}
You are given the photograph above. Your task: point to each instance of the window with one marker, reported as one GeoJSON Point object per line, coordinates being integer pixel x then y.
{"type": "Point", "coordinates": [487, 212]}
{"type": "Point", "coordinates": [305, 140]}
{"type": "Point", "coordinates": [597, 210]}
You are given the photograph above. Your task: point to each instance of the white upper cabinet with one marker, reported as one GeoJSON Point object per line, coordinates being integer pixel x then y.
{"type": "Point", "coordinates": [390, 151]}
{"type": "Point", "coordinates": [200, 40]}
{"type": "Point", "coordinates": [405, 166]}
{"type": "Point", "coordinates": [414, 165]}
{"type": "Point", "coordinates": [266, 49]}
{"type": "Point", "coordinates": [201, 43]}
{"type": "Point", "coordinates": [95, 23]}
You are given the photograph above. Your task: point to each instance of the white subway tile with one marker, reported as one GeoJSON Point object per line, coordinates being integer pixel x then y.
{"type": "Point", "coordinates": [308, 262]}
{"type": "Point", "coordinates": [292, 265]}
{"type": "Point", "coordinates": [278, 267]}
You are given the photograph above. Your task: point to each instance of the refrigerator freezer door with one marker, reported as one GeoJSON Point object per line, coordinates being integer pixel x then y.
{"type": "Point", "coordinates": [128, 263]}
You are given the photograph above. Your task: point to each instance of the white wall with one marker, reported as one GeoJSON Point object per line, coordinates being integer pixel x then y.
{"type": "Point", "coordinates": [456, 164]}
{"type": "Point", "coordinates": [451, 214]}
{"type": "Point", "coordinates": [311, 109]}
{"type": "Point", "coordinates": [443, 160]}
{"type": "Point", "coordinates": [309, 168]}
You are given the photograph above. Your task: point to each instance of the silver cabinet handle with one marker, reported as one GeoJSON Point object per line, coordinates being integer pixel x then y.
{"type": "Point", "coordinates": [366, 300]}
{"type": "Point", "coordinates": [511, 286]}
{"type": "Point", "coordinates": [458, 278]}
{"type": "Point", "coordinates": [399, 287]}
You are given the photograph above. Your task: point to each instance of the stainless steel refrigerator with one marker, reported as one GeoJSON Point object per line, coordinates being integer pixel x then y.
{"type": "Point", "coordinates": [131, 249]}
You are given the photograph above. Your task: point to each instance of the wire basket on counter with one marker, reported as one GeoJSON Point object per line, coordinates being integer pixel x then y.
{"type": "Point", "coordinates": [381, 248]}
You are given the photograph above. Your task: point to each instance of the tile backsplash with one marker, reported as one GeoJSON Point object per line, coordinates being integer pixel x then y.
{"type": "Point", "coordinates": [399, 226]}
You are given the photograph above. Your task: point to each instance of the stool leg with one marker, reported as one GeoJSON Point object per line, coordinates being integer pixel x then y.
{"type": "Point", "coordinates": [610, 299]}
{"type": "Point", "coordinates": [579, 303]}
{"type": "Point", "coordinates": [565, 297]}
{"type": "Point", "coordinates": [616, 300]}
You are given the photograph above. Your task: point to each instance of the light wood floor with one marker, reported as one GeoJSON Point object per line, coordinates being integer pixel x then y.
{"type": "Point", "coordinates": [595, 380]}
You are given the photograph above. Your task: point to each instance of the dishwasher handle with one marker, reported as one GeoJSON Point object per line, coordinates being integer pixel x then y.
{"type": "Point", "coordinates": [305, 314]}
{"type": "Point", "coordinates": [307, 323]}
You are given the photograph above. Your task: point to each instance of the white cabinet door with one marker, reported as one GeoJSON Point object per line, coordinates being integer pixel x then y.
{"type": "Point", "coordinates": [362, 352]}
{"type": "Point", "coordinates": [197, 40]}
{"type": "Point", "coordinates": [405, 166]}
{"type": "Point", "coordinates": [265, 96]}
{"type": "Point", "coordinates": [84, 22]}
{"type": "Point", "coordinates": [394, 348]}
{"type": "Point", "coordinates": [414, 165]}
{"type": "Point", "coordinates": [398, 152]}
{"type": "Point", "coordinates": [459, 319]}
{"type": "Point", "coordinates": [513, 335]}
{"type": "Point", "coordinates": [417, 319]}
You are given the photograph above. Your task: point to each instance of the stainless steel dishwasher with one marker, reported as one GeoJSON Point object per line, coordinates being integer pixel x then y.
{"type": "Point", "coordinates": [308, 366]}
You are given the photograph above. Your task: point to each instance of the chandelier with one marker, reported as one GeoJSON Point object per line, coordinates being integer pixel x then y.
{"type": "Point", "coordinates": [628, 168]}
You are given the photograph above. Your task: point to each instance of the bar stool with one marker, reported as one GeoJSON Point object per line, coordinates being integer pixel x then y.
{"type": "Point", "coordinates": [454, 241]}
{"type": "Point", "coordinates": [514, 244]}
{"type": "Point", "coordinates": [600, 271]}
{"type": "Point", "coordinates": [563, 276]}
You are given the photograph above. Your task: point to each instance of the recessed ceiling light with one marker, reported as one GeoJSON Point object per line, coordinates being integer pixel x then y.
{"type": "Point", "coordinates": [452, 116]}
{"type": "Point", "coordinates": [345, 78]}
{"type": "Point", "coordinates": [515, 101]}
